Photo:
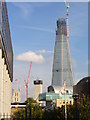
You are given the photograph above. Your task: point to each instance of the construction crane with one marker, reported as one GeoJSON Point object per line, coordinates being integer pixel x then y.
{"type": "Point", "coordinates": [26, 82]}
{"type": "Point", "coordinates": [67, 7]}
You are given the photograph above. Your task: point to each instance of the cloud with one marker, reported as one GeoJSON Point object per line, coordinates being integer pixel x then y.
{"type": "Point", "coordinates": [24, 7]}
{"type": "Point", "coordinates": [35, 28]}
{"type": "Point", "coordinates": [44, 51]}
{"type": "Point", "coordinates": [31, 56]}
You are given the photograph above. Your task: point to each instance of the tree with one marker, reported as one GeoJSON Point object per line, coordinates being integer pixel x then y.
{"type": "Point", "coordinates": [33, 110]}
{"type": "Point", "coordinates": [83, 105]}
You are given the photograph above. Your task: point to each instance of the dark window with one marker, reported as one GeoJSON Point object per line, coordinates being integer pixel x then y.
{"type": "Point", "coordinates": [64, 102]}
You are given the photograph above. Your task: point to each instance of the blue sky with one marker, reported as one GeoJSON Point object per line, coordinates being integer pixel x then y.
{"type": "Point", "coordinates": [33, 26]}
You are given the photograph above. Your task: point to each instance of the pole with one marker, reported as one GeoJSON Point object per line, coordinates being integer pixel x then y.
{"type": "Point", "coordinates": [76, 111]}
{"type": "Point", "coordinates": [26, 111]}
{"type": "Point", "coordinates": [30, 112]}
{"type": "Point", "coordinates": [27, 91]}
{"type": "Point", "coordinates": [65, 100]}
{"type": "Point", "coordinates": [65, 111]}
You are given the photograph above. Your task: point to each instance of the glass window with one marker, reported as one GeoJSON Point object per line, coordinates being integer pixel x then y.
{"type": "Point", "coordinates": [63, 101]}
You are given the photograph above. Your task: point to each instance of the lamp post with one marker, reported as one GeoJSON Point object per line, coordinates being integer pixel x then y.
{"type": "Point", "coordinates": [76, 112]}
{"type": "Point", "coordinates": [26, 111]}
{"type": "Point", "coordinates": [30, 112]}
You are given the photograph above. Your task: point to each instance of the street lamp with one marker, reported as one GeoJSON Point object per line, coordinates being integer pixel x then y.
{"type": "Point", "coordinates": [76, 112]}
{"type": "Point", "coordinates": [26, 111]}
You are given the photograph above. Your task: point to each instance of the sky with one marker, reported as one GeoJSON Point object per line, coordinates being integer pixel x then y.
{"type": "Point", "coordinates": [46, 0]}
{"type": "Point", "coordinates": [33, 27]}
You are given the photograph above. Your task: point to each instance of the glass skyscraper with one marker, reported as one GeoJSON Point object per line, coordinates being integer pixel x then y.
{"type": "Point", "coordinates": [62, 68]}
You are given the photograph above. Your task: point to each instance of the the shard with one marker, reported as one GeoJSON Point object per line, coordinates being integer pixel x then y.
{"type": "Point", "coordinates": [62, 68]}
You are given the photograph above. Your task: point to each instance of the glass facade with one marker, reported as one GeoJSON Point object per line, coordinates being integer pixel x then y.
{"type": "Point", "coordinates": [49, 96]}
{"type": "Point", "coordinates": [61, 63]}
{"type": "Point", "coordinates": [5, 41]}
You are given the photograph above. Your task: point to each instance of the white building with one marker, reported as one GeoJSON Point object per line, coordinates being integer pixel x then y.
{"type": "Point", "coordinates": [37, 89]}
{"type": "Point", "coordinates": [6, 63]}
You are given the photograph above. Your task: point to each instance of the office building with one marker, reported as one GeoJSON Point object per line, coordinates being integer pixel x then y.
{"type": "Point", "coordinates": [37, 89]}
{"type": "Point", "coordinates": [6, 63]}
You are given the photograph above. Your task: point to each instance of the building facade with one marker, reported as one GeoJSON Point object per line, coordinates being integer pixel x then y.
{"type": "Point", "coordinates": [62, 68]}
{"type": "Point", "coordinates": [6, 63]}
{"type": "Point", "coordinates": [64, 99]}
{"type": "Point", "coordinates": [37, 89]}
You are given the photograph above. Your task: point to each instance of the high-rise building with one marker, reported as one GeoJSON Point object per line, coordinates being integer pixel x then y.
{"type": "Point", "coordinates": [6, 63]}
{"type": "Point", "coordinates": [37, 88]}
{"type": "Point", "coordinates": [62, 69]}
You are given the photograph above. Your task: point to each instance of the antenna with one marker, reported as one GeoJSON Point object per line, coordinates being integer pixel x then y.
{"type": "Point", "coordinates": [67, 7]}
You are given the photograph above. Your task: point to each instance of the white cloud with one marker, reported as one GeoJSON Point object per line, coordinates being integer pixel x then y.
{"type": "Point", "coordinates": [44, 51]}
{"type": "Point", "coordinates": [31, 56]}
{"type": "Point", "coordinates": [35, 28]}
{"type": "Point", "coordinates": [25, 8]}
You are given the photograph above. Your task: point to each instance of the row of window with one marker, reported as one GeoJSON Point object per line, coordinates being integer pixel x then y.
{"type": "Point", "coordinates": [16, 94]}
{"type": "Point", "coordinates": [66, 102]}
{"type": "Point", "coordinates": [16, 99]}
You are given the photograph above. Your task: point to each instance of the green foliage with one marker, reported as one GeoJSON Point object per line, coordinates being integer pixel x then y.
{"type": "Point", "coordinates": [32, 108]}
{"type": "Point", "coordinates": [56, 114]}
{"type": "Point", "coordinates": [83, 107]}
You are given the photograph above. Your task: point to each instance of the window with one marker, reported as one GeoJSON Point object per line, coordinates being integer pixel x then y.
{"type": "Point", "coordinates": [66, 91]}
{"type": "Point", "coordinates": [64, 102]}
{"type": "Point", "coordinates": [70, 102]}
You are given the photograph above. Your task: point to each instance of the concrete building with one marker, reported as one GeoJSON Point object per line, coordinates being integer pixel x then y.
{"type": "Point", "coordinates": [37, 89]}
{"type": "Point", "coordinates": [6, 63]}
{"type": "Point", "coordinates": [54, 99]}
{"type": "Point", "coordinates": [62, 68]}
{"type": "Point", "coordinates": [65, 98]}
{"type": "Point", "coordinates": [16, 95]}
